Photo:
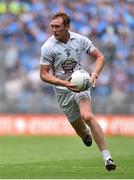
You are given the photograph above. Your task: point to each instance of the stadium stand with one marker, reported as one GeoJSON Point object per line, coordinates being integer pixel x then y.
{"type": "Point", "coordinates": [24, 26]}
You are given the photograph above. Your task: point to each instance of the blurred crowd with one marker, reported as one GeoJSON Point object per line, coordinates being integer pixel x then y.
{"type": "Point", "coordinates": [24, 27]}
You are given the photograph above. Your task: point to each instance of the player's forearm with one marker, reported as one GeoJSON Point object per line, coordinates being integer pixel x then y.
{"type": "Point", "coordinates": [100, 61]}
{"type": "Point", "coordinates": [52, 80]}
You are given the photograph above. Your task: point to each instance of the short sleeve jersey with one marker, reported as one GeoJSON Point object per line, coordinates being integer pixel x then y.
{"type": "Point", "coordinates": [65, 58]}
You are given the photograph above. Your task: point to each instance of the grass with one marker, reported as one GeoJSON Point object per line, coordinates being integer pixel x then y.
{"type": "Point", "coordinates": [63, 158]}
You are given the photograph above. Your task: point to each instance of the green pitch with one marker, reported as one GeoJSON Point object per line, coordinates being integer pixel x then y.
{"type": "Point", "coordinates": [63, 158]}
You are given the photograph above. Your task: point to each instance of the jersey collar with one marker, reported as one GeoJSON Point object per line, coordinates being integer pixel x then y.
{"type": "Point", "coordinates": [72, 36]}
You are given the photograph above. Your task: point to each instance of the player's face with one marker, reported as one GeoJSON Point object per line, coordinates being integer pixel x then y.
{"type": "Point", "coordinates": [59, 30]}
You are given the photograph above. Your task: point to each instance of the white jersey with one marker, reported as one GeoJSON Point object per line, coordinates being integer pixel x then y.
{"type": "Point", "coordinates": [65, 58]}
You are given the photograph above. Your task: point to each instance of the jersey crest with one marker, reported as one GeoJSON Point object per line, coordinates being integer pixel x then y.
{"type": "Point", "coordinates": [69, 65]}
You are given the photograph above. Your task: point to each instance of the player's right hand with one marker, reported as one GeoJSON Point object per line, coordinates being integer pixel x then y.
{"type": "Point", "coordinates": [71, 87]}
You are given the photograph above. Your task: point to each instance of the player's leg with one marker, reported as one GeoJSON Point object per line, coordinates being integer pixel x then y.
{"type": "Point", "coordinates": [88, 117]}
{"type": "Point", "coordinates": [97, 133]}
{"type": "Point", "coordinates": [72, 105]}
{"type": "Point", "coordinates": [83, 131]}
{"type": "Point", "coordinates": [71, 110]}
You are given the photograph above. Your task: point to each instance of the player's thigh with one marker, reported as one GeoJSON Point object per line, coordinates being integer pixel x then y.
{"type": "Point", "coordinates": [85, 108]}
{"type": "Point", "coordinates": [69, 106]}
{"type": "Point", "coordinates": [80, 127]}
{"type": "Point", "coordinates": [83, 99]}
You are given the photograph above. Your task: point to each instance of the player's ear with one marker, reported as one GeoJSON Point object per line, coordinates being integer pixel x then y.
{"type": "Point", "coordinates": [68, 26]}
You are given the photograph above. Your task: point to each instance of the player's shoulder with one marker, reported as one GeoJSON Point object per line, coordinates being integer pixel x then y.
{"type": "Point", "coordinates": [78, 36]}
{"type": "Point", "coordinates": [49, 44]}
{"type": "Point", "coordinates": [75, 34]}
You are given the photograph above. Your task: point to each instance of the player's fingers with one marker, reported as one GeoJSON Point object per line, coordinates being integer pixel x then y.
{"type": "Point", "coordinates": [70, 85]}
{"type": "Point", "coordinates": [93, 82]}
{"type": "Point", "coordinates": [74, 89]}
{"type": "Point", "coordinates": [69, 79]}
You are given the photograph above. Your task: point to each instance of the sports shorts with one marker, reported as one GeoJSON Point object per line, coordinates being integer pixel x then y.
{"type": "Point", "coordinates": [69, 102]}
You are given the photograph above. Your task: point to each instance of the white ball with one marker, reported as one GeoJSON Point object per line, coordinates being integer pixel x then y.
{"type": "Point", "coordinates": [81, 79]}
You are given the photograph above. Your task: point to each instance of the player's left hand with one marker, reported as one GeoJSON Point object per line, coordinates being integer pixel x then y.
{"type": "Point", "coordinates": [93, 80]}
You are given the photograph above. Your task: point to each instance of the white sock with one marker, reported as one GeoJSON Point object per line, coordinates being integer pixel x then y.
{"type": "Point", "coordinates": [106, 155]}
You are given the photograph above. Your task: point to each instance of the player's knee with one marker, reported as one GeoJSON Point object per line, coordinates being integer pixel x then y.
{"type": "Point", "coordinates": [88, 118]}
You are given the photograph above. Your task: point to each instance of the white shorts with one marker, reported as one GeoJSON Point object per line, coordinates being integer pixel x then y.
{"type": "Point", "coordinates": [69, 101]}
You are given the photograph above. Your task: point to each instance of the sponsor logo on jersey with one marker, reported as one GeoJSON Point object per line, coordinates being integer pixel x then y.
{"type": "Point", "coordinates": [69, 65]}
{"type": "Point", "coordinates": [58, 53]}
{"type": "Point", "coordinates": [77, 51]}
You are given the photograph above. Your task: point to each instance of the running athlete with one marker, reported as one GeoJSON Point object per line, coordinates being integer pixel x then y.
{"type": "Point", "coordinates": [61, 55]}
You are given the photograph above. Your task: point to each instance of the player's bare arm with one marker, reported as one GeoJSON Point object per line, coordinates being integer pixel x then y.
{"type": "Point", "coordinates": [47, 77]}
{"type": "Point", "coordinates": [100, 61]}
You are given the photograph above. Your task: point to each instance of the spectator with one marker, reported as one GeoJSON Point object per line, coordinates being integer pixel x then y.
{"type": "Point", "coordinates": [24, 27]}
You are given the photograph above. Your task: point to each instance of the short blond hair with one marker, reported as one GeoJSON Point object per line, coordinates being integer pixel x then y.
{"type": "Point", "coordinates": [64, 16]}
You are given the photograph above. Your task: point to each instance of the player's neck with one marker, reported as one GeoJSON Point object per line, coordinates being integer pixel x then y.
{"type": "Point", "coordinates": [66, 37]}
